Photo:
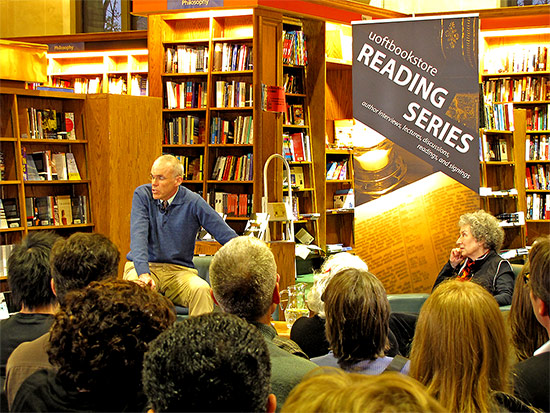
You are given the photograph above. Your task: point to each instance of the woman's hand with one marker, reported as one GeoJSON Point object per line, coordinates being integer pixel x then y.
{"type": "Point", "coordinates": [456, 257]}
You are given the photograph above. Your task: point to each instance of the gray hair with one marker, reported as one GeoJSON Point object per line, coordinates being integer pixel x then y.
{"type": "Point", "coordinates": [332, 265]}
{"type": "Point", "coordinates": [172, 161]}
{"type": "Point", "coordinates": [484, 228]}
{"type": "Point", "coordinates": [243, 274]}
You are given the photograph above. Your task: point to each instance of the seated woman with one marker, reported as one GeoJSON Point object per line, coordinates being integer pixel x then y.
{"type": "Point", "coordinates": [476, 257]}
{"type": "Point", "coordinates": [460, 350]}
{"type": "Point", "coordinates": [357, 324]}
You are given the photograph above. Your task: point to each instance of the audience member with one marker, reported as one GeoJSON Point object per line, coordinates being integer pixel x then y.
{"type": "Point", "coordinates": [476, 256]}
{"type": "Point", "coordinates": [244, 279]}
{"type": "Point", "coordinates": [75, 262]}
{"type": "Point", "coordinates": [357, 324]}
{"type": "Point", "coordinates": [332, 390]}
{"type": "Point", "coordinates": [29, 279]}
{"type": "Point", "coordinates": [97, 344]}
{"type": "Point", "coordinates": [165, 220]}
{"type": "Point", "coordinates": [527, 333]}
{"type": "Point", "coordinates": [214, 362]}
{"type": "Point", "coordinates": [460, 349]}
{"type": "Point", "coordinates": [532, 381]}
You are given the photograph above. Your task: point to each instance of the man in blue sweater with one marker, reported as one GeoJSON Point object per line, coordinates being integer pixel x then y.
{"type": "Point", "coordinates": [166, 218]}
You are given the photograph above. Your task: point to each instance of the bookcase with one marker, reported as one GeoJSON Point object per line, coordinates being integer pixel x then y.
{"type": "Point", "coordinates": [296, 129]}
{"type": "Point", "coordinates": [516, 74]}
{"type": "Point", "coordinates": [50, 197]}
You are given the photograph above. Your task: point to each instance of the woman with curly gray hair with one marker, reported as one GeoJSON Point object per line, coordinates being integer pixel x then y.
{"type": "Point", "coordinates": [476, 256]}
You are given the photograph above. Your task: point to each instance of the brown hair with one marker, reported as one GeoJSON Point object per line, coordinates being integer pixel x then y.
{"type": "Point", "coordinates": [527, 334]}
{"type": "Point", "coordinates": [539, 261]}
{"type": "Point", "coordinates": [357, 312]}
{"type": "Point", "coordinates": [333, 390]}
{"type": "Point", "coordinates": [460, 347]}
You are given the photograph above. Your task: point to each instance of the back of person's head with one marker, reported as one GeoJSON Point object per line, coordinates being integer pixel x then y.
{"type": "Point", "coordinates": [213, 362]}
{"type": "Point", "coordinates": [332, 265]}
{"type": "Point", "coordinates": [527, 334]}
{"type": "Point", "coordinates": [100, 335]}
{"type": "Point", "coordinates": [539, 274]}
{"type": "Point", "coordinates": [243, 274]}
{"type": "Point", "coordinates": [81, 259]}
{"type": "Point", "coordinates": [29, 273]}
{"type": "Point", "coordinates": [357, 316]}
{"type": "Point", "coordinates": [333, 390]}
{"type": "Point", "coordinates": [460, 347]}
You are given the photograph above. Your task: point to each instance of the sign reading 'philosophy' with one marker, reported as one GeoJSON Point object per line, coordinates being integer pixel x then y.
{"type": "Point", "coordinates": [415, 81]}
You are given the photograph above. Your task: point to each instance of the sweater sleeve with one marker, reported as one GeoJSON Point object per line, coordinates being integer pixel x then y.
{"type": "Point", "coordinates": [504, 284]}
{"type": "Point", "coordinates": [213, 223]}
{"type": "Point", "coordinates": [139, 233]}
{"type": "Point", "coordinates": [446, 272]}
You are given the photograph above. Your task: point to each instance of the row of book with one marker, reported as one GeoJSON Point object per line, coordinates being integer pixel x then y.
{"type": "Point", "coordinates": [233, 168]}
{"type": "Point", "coordinates": [538, 206]}
{"type": "Point", "coordinates": [233, 94]}
{"type": "Point", "coordinates": [337, 170]}
{"type": "Point", "coordinates": [518, 59]}
{"type": "Point", "coordinates": [49, 124]}
{"type": "Point", "coordinates": [48, 166]}
{"type": "Point", "coordinates": [517, 89]}
{"type": "Point", "coordinates": [231, 57]}
{"type": "Point", "coordinates": [186, 59]}
{"type": "Point", "coordinates": [292, 83]}
{"type": "Point", "coordinates": [537, 148]}
{"type": "Point", "coordinates": [237, 131]}
{"type": "Point", "coordinates": [192, 167]}
{"type": "Point", "coordinates": [184, 130]}
{"type": "Point", "coordinates": [294, 48]}
{"type": "Point", "coordinates": [232, 205]}
{"type": "Point", "coordinates": [294, 115]}
{"type": "Point", "coordinates": [537, 118]}
{"type": "Point", "coordinates": [185, 95]}
{"type": "Point", "coordinates": [5, 251]}
{"type": "Point", "coordinates": [499, 116]}
{"type": "Point", "coordinates": [537, 177]}
{"type": "Point", "coordinates": [2, 166]}
{"type": "Point", "coordinates": [85, 85]}
{"type": "Point", "coordinates": [139, 85]}
{"type": "Point", "coordinates": [45, 211]}
{"type": "Point", "coordinates": [117, 85]}
{"type": "Point", "coordinates": [495, 149]}
{"type": "Point", "coordinates": [296, 147]}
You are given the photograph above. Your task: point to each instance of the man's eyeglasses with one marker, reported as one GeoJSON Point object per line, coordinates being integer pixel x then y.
{"type": "Point", "coordinates": [159, 177]}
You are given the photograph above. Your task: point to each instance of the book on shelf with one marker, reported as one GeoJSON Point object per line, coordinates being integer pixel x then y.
{"type": "Point", "coordinates": [65, 209]}
{"type": "Point", "coordinates": [294, 48]}
{"type": "Point", "coordinates": [537, 148]}
{"type": "Point", "coordinates": [2, 166]}
{"type": "Point", "coordinates": [257, 225]}
{"type": "Point", "coordinates": [72, 167]}
{"type": "Point", "coordinates": [304, 237]}
{"type": "Point", "coordinates": [232, 57]}
{"type": "Point", "coordinates": [10, 213]}
{"type": "Point", "coordinates": [297, 148]}
{"type": "Point", "coordinates": [59, 163]}
{"type": "Point", "coordinates": [44, 208]}
{"type": "Point", "coordinates": [528, 58]}
{"type": "Point", "coordinates": [503, 150]}
{"type": "Point", "coordinates": [537, 177]}
{"type": "Point", "coordinates": [298, 114]}
{"type": "Point", "coordinates": [297, 177]}
{"type": "Point", "coordinates": [79, 209]}
{"type": "Point", "coordinates": [537, 117]}
{"type": "Point", "coordinates": [344, 199]}
{"type": "Point", "coordinates": [186, 59]}
{"type": "Point", "coordinates": [510, 219]}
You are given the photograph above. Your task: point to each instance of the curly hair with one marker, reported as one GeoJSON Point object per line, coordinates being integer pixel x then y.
{"type": "Point", "coordinates": [100, 335]}
{"type": "Point", "coordinates": [81, 259]}
{"type": "Point", "coordinates": [29, 273]}
{"type": "Point", "coordinates": [358, 314]}
{"type": "Point", "coordinates": [331, 266]}
{"type": "Point", "coordinates": [213, 362]}
{"type": "Point", "coordinates": [485, 228]}
{"type": "Point", "coordinates": [327, 389]}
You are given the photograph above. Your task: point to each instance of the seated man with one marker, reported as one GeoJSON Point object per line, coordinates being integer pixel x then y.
{"type": "Point", "coordinates": [97, 344]}
{"type": "Point", "coordinates": [166, 218]}
{"type": "Point", "coordinates": [245, 282]}
{"type": "Point", "coordinates": [213, 362]}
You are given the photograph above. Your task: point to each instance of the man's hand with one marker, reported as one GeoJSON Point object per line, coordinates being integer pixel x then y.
{"type": "Point", "coordinates": [146, 281]}
{"type": "Point", "coordinates": [456, 257]}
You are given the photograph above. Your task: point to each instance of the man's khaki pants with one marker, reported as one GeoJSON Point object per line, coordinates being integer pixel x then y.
{"type": "Point", "coordinates": [180, 284]}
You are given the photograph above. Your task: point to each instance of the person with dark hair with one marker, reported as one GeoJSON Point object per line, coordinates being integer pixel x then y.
{"type": "Point", "coordinates": [245, 282]}
{"type": "Point", "coordinates": [357, 324]}
{"type": "Point", "coordinates": [165, 220]}
{"type": "Point", "coordinates": [29, 279]}
{"type": "Point", "coordinates": [210, 363]}
{"type": "Point", "coordinates": [476, 257]}
{"type": "Point", "coordinates": [75, 262]}
{"type": "Point", "coordinates": [97, 344]}
{"type": "Point", "coordinates": [532, 376]}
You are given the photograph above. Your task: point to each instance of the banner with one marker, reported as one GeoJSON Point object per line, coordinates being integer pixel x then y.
{"type": "Point", "coordinates": [193, 4]}
{"type": "Point", "coordinates": [416, 84]}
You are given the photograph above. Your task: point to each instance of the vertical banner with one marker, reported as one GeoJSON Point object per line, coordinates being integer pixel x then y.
{"type": "Point", "coordinates": [416, 92]}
